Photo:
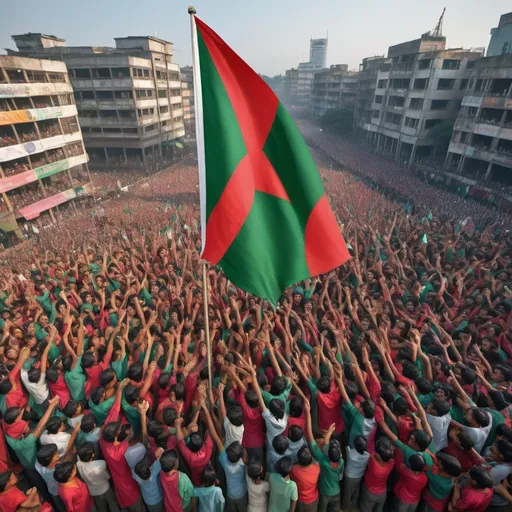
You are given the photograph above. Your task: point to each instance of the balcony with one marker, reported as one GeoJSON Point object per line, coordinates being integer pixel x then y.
{"type": "Point", "coordinates": [457, 147]}
{"type": "Point", "coordinates": [479, 153]}
{"type": "Point", "coordinates": [24, 90]}
{"type": "Point", "coordinates": [89, 122]}
{"type": "Point", "coordinates": [36, 114]}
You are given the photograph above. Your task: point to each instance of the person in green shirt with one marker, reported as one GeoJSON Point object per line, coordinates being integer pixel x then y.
{"type": "Point", "coordinates": [331, 465]}
{"type": "Point", "coordinates": [21, 440]}
{"type": "Point", "coordinates": [74, 374]}
{"type": "Point", "coordinates": [441, 480]}
{"type": "Point", "coordinates": [100, 405]}
{"type": "Point", "coordinates": [129, 405]}
{"type": "Point", "coordinates": [283, 491]}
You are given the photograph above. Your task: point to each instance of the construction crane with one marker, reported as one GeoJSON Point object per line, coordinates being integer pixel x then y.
{"type": "Point", "coordinates": [438, 31]}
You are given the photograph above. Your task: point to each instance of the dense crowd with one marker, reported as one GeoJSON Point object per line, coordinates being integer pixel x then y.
{"type": "Point", "coordinates": [383, 385]}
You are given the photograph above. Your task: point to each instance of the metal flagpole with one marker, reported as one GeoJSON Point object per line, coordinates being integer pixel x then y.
{"type": "Point", "coordinates": [198, 108]}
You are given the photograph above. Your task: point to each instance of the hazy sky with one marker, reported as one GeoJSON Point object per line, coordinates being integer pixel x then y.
{"type": "Point", "coordinates": [271, 35]}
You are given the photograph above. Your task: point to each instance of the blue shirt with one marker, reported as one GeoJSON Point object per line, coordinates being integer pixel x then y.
{"type": "Point", "coordinates": [235, 477]}
{"type": "Point", "coordinates": [210, 499]}
{"type": "Point", "coordinates": [150, 488]}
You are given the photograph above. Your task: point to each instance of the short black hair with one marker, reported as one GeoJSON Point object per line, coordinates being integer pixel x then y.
{"type": "Point", "coordinates": [251, 398]}
{"type": "Point", "coordinates": [88, 423]}
{"type": "Point", "coordinates": [53, 424]}
{"type": "Point", "coordinates": [169, 460]}
{"type": "Point", "coordinates": [143, 469]}
{"type": "Point", "coordinates": [34, 374]}
{"type": "Point", "coordinates": [4, 479]}
{"type": "Point", "coordinates": [481, 477]}
{"type": "Point", "coordinates": [283, 466]}
{"type": "Point", "coordinates": [384, 448]}
{"type": "Point", "coordinates": [417, 462]}
{"type": "Point", "coordinates": [71, 408]}
{"type": "Point", "coordinates": [276, 408]}
{"type": "Point", "coordinates": [11, 414]}
{"type": "Point", "coordinates": [368, 407]}
{"type": "Point", "coordinates": [5, 387]}
{"type": "Point", "coordinates": [360, 444]}
{"type": "Point", "coordinates": [280, 443]}
{"type": "Point", "coordinates": [304, 457]}
{"type": "Point", "coordinates": [110, 431]}
{"type": "Point", "coordinates": [208, 477]}
{"type": "Point", "coordinates": [503, 430]}
{"type": "Point", "coordinates": [97, 394]}
{"type": "Point", "coordinates": [422, 439]}
{"type": "Point", "coordinates": [155, 428]}
{"type": "Point", "coordinates": [480, 416]}
{"type": "Point", "coordinates": [295, 433]}
{"type": "Point", "coordinates": [499, 399]}
{"type": "Point", "coordinates": [465, 440]}
{"type": "Point", "coordinates": [424, 386]}
{"type": "Point", "coordinates": [449, 463]}
{"type": "Point", "coordinates": [52, 374]}
{"type": "Point", "coordinates": [131, 393]}
{"type": "Point", "coordinates": [254, 469]}
{"type": "Point", "coordinates": [442, 407]}
{"type": "Point", "coordinates": [46, 453]}
{"type": "Point", "coordinates": [400, 406]}
{"type": "Point", "coordinates": [107, 376]}
{"type": "Point", "coordinates": [63, 472]}
{"type": "Point", "coordinates": [195, 442]}
{"type": "Point", "coordinates": [235, 415]}
{"type": "Point", "coordinates": [323, 384]}
{"type": "Point", "coordinates": [135, 372]}
{"type": "Point", "coordinates": [169, 415]}
{"type": "Point", "coordinates": [86, 452]}
{"type": "Point", "coordinates": [334, 450]}
{"type": "Point", "coordinates": [88, 359]}
{"type": "Point", "coordinates": [234, 452]}
{"type": "Point", "coordinates": [295, 406]}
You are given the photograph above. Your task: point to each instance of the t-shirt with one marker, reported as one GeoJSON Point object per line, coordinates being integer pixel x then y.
{"type": "Point", "coordinates": [61, 439]}
{"type": "Point", "coordinates": [358, 424]}
{"type": "Point", "coordinates": [376, 476]}
{"type": "Point", "coordinates": [294, 447]}
{"type": "Point", "coordinates": [177, 490]}
{"type": "Point", "coordinates": [258, 495]}
{"type": "Point", "coordinates": [330, 472]}
{"type": "Point", "coordinates": [282, 492]}
{"type": "Point", "coordinates": [210, 499]}
{"type": "Point", "coordinates": [75, 379]}
{"type": "Point", "coordinates": [439, 426]}
{"type": "Point", "coordinates": [150, 488]}
{"type": "Point", "coordinates": [95, 475]}
{"type": "Point", "coordinates": [39, 389]}
{"type": "Point", "coordinates": [268, 397]}
{"type": "Point", "coordinates": [11, 499]}
{"type": "Point", "coordinates": [25, 449]}
{"type": "Point", "coordinates": [479, 434]}
{"type": "Point", "coordinates": [75, 496]}
{"type": "Point", "coordinates": [127, 490]}
{"type": "Point", "coordinates": [356, 463]}
{"type": "Point", "coordinates": [232, 432]}
{"type": "Point", "coordinates": [101, 410]}
{"type": "Point", "coordinates": [497, 419]}
{"type": "Point", "coordinates": [439, 489]}
{"type": "Point", "coordinates": [47, 476]}
{"type": "Point", "coordinates": [328, 407]}
{"type": "Point", "coordinates": [197, 460]}
{"type": "Point", "coordinates": [408, 452]}
{"type": "Point", "coordinates": [410, 485]}
{"type": "Point", "coordinates": [306, 478]}
{"type": "Point", "coordinates": [466, 458]}
{"type": "Point", "coordinates": [61, 390]}
{"type": "Point", "coordinates": [498, 474]}
{"type": "Point", "coordinates": [474, 500]}
{"type": "Point", "coordinates": [235, 477]}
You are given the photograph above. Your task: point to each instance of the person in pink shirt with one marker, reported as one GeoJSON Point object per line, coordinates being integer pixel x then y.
{"type": "Point", "coordinates": [176, 486]}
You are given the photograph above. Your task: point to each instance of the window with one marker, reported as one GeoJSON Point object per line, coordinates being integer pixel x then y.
{"type": "Point", "coordinates": [400, 83]}
{"type": "Point", "coordinates": [88, 95]}
{"type": "Point", "coordinates": [162, 93]}
{"type": "Point", "coordinates": [174, 75]}
{"type": "Point", "coordinates": [464, 137]}
{"type": "Point", "coordinates": [120, 72]}
{"type": "Point", "coordinates": [164, 110]}
{"type": "Point", "coordinates": [143, 93]}
{"type": "Point", "coordinates": [445, 84]}
{"type": "Point", "coordinates": [424, 63]}
{"type": "Point", "coordinates": [105, 96]}
{"type": "Point", "coordinates": [130, 130]}
{"type": "Point", "coordinates": [122, 95]}
{"type": "Point", "coordinates": [112, 130]}
{"type": "Point", "coordinates": [126, 114]}
{"type": "Point", "coordinates": [15, 76]}
{"type": "Point", "coordinates": [81, 72]}
{"type": "Point", "coordinates": [396, 101]}
{"type": "Point", "coordinates": [150, 128]}
{"type": "Point", "coordinates": [410, 122]}
{"type": "Point", "coordinates": [421, 83]}
{"type": "Point", "coordinates": [56, 77]}
{"type": "Point", "coordinates": [472, 111]}
{"type": "Point", "coordinates": [175, 92]}
{"type": "Point", "coordinates": [416, 103]}
{"type": "Point", "coordinates": [451, 64]}
{"type": "Point", "coordinates": [430, 123]}
{"type": "Point", "coordinates": [464, 84]}
{"type": "Point", "coordinates": [375, 114]}
{"type": "Point", "coordinates": [382, 84]}
{"type": "Point", "coordinates": [393, 118]}
{"type": "Point", "coordinates": [439, 105]}
{"type": "Point", "coordinates": [101, 73]}
{"type": "Point", "coordinates": [36, 76]}
{"type": "Point", "coordinates": [471, 64]}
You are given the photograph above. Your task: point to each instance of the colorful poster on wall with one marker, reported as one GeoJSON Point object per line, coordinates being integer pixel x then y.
{"type": "Point", "coordinates": [33, 210]}
{"type": "Point", "coordinates": [18, 180]}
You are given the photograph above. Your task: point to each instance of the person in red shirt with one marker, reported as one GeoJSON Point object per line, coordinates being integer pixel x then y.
{"type": "Point", "coordinates": [176, 486]}
{"type": "Point", "coordinates": [477, 495]}
{"type": "Point", "coordinates": [11, 498]}
{"type": "Point", "coordinates": [72, 491]}
{"type": "Point", "coordinates": [93, 369]}
{"type": "Point", "coordinates": [57, 384]}
{"type": "Point", "coordinates": [11, 386]}
{"type": "Point", "coordinates": [380, 465]}
{"type": "Point", "coordinates": [411, 482]}
{"type": "Point", "coordinates": [461, 446]}
{"type": "Point", "coordinates": [306, 474]}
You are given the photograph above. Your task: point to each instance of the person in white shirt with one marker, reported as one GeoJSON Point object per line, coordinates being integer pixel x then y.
{"type": "Point", "coordinates": [95, 474]}
{"type": "Point", "coordinates": [439, 418]}
{"type": "Point", "coordinates": [257, 488]}
{"type": "Point", "coordinates": [297, 441]}
{"type": "Point", "coordinates": [232, 420]}
{"type": "Point", "coordinates": [357, 460]}
{"type": "Point", "coordinates": [55, 433]}
{"type": "Point", "coordinates": [479, 425]}
{"type": "Point", "coordinates": [34, 379]}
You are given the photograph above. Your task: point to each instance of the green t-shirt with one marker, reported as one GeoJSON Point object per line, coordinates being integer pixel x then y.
{"type": "Point", "coordinates": [186, 489]}
{"type": "Point", "coordinates": [282, 492]}
{"type": "Point", "coordinates": [120, 367]}
{"type": "Point", "coordinates": [408, 451]}
{"type": "Point", "coordinates": [356, 423]}
{"type": "Point", "coordinates": [268, 397]}
{"type": "Point", "coordinates": [425, 399]}
{"type": "Point", "coordinates": [440, 487]}
{"type": "Point", "coordinates": [75, 379]}
{"type": "Point", "coordinates": [328, 483]}
{"type": "Point", "coordinates": [497, 419]}
{"type": "Point", "coordinates": [25, 449]}
{"type": "Point", "coordinates": [133, 417]}
{"type": "Point", "coordinates": [101, 410]}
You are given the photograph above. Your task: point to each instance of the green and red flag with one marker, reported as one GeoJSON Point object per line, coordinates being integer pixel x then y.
{"type": "Point", "coordinates": [265, 218]}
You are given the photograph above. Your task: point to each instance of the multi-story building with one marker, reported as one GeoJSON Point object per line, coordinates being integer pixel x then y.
{"type": "Point", "coordinates": [128, 97]}
{"type": "Point", "coordinates": [305, 76]}
{"type": "Point", "coordinates": [335, 87]}
{"type": "Point", "coordinates": [291, 78]}
{"type": "Point", "coordinates": [318, 52]}
{"type": "Point", "coordinates": [421, 85]}
{"type": "Point", "coordinates": [187, 95]}
{"type": "Point", "coordinates": [481, 145]}
{"type": "Point", "coordinates": [366, 85]}
{"type": "Point", "coordinates": [501, 37]}
{"type": "Point", "coordinates": [43, 163]}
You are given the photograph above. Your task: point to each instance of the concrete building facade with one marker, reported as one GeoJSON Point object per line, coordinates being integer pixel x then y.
{"type": "Point", "coordinates": [43, 163]}
{"type": "Point", "coordinates": [128, 98]}
{"type": "Point", "coordinates": [318, 52]}
{"type": "Point", "coordinates": [481, 145]}
{"type": "Point", "coordinates": [291, 77]}
{"type": "Point", "coordinates": [420, 85]}
{"type": "Point", "coordinates": [187, 95]}
{"type": "Point", "coordinates": [305, 76]}
{"type": "Point", "coordinates": [335, 87]}
{"type": "Point", "coordinates": [501, 37]}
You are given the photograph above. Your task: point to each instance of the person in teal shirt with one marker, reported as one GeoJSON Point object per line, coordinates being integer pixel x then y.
{"type": "Point", "coordinates": [283, 490]}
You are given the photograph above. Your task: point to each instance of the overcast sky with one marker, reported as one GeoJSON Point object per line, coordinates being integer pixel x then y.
{"type": "Point", "coordinates": [271, 35]}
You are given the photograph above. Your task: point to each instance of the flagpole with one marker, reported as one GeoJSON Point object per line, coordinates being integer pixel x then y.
{"type": "Point", "coordinates": [198, 110]}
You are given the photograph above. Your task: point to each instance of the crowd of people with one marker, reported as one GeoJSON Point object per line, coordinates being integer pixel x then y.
{"type": "Point", "coordinates": [382, 385]}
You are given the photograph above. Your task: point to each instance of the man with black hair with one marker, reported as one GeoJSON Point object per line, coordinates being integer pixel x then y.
{"type": "Point", "coordinates": [148, 477]}
{"type": "Point", "coordinates": [357, 459]}
{"type": "Point", "coordinates": [177, 488]}
{"type": "Point", "coordinates": [411, 482]}
{"type": "Point", "coordinates": [439, 419]}
{"type": "Point", "coordinates": [441, 479]}
{"type": "Point", "coordinates": [305, 473]}
{"type": "Point", "coordinates": [100, 405]}
{"type": "Point", "coordinates": [95, 474]}
{"type": "Point", "coordinates": [55, 433]}
{"type": "Point", "coordinates": [501, 453]}
{"type": "Point", "coordinates": [283, 490]}
{"type": "Point", "coordinates": [13, 499]}
{"type": "Point", "coordinates": [296, 441]}
{"type": "Point", "coordinates": [72, 491]}
{"type": "Point", "coordinates": [476, 495]}
{"type": "Point", "coordinates": [232, 419]}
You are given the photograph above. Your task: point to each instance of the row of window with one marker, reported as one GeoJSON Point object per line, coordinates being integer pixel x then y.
{"type": "Point", "coordinates": [123, 95]}
{"type": "Point", "coordinates": [414, 103]}
{"type": "Point", "coordinates": [125, 114]}
{"type": "Point", "coordinates": [122, 72]}
{"type": "Point", "coordinates": [410, 122]}
{"type": "Point", "coordinates": [130, 131]}
{"type": "Point", "coordinates": [22, 76]}
{"type": "Point", "coordinates": [421, 84]}
{"type": "Point", "coordinates": [36, 102]}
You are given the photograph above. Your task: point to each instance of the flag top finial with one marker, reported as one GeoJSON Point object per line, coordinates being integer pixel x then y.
{"type": "Point", "coordinates": [191, 9]}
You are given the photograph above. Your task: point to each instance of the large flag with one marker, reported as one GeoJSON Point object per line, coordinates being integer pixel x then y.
{"type": "Point", "coordinates": [265, 219]}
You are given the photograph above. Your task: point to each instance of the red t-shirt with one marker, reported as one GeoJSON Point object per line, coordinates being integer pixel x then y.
{"type": "Point", "coordinates": [93, 376]}
{"type": "Point", "coordinates": [127, 489]}
{"type": "Point", "coordinates": [61, 390]}
{"type": "Point", "coordinates": [254, 424]}
{"type": "Point", "coordinates": [405, 428]}
{"type": "Point", "coordinates": [329, 410]}
{"type": "Point", "coordinates": [15, 397]}
{"type": "Point", "coordinates": [467, 459]}
{"type": "Point", "coordinates": [376, 476]}
{"type": "Point", "coordinates": [170, 488]}
{"type": "Point", "coordinates": [306, 478]}
{"type": "Point", "coordinates": [410, 485]}
{"type": "Point", "coordinates": [11, 499]}
{"type": "Point", "coordinates": [75, 496]}
{"type": "Point", "coordinates": [474, 500]}
{"type": "Point", "coordinates": [300, 421]}
{"type": "Point", "coordinates": [197, 460]}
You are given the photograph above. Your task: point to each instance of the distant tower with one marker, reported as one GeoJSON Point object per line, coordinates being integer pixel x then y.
{"type": "Point", "coordinates": [318, 52]}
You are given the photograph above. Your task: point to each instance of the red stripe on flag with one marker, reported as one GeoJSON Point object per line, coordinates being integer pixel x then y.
{"type": "Point", "coordinates": [229, 214]}
{"type": "Point", "coordinates": [324, 244]}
